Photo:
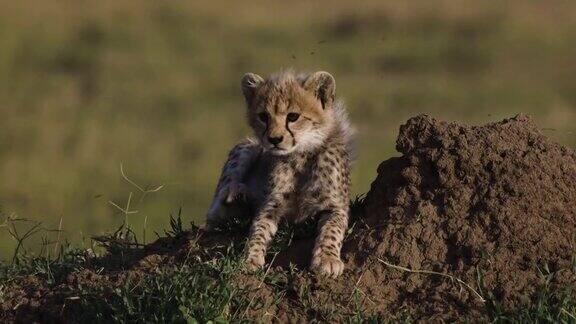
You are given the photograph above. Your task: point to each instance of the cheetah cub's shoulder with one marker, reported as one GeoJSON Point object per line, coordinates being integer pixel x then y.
{"type": "Point", "coordinates": [297, 166]}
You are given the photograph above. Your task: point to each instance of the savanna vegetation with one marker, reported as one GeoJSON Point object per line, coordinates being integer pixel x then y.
{"type": "Point", "coordinates": [86, 87]}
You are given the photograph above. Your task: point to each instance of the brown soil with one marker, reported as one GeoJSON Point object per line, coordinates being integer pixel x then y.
{"type": "Point", "coordinates": [492, 206]}
{"type": "Point", "coordinates": [495, 201]}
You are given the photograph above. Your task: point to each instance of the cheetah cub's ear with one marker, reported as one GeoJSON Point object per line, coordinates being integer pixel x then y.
{"type": "Point", "coordinates": [250, 83]}
{"type": "Point", "coordinates": [323, 86]}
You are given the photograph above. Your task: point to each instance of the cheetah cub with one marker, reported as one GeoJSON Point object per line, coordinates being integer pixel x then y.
{"type": "Point", "coordinates": [297, 167]}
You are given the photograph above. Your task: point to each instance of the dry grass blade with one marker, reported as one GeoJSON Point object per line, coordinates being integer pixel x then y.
{"type": "Point", "coordinates": [460, 281]}
{"type": "Point", "coordinates": [142, 190]}
{"type": "Point", "coordinates": [20, 238]}
{"type": "Point", "coordinates": [568, 313]}
{"type": "Point", "coordinates": [260, 284]}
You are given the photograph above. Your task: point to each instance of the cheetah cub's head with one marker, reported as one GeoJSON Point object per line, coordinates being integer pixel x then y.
{"type": "Point", "coordinates": [290, 113]}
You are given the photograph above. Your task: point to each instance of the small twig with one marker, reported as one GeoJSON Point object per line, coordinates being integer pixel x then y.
{"type": "Point", "coordinates": [435, 273]}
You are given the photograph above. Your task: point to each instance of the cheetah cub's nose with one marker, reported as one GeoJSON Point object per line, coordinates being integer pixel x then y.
{"type": "Point", "coordinates": [275, 140]}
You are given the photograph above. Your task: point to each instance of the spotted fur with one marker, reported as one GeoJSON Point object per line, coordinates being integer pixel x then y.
{"type": "Point", "coordinates": [297, 166]}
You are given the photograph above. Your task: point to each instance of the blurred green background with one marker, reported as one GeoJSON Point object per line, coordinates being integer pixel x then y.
{"type": "Point", "coordinates": [154, 85]}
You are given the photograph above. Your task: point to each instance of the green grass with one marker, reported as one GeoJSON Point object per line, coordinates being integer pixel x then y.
{"type": "Point", "coordinates": [195, 291]}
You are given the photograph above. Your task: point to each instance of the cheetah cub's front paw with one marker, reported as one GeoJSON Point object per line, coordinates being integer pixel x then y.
{"type": "Point", "coordinates": [254, 262]}
{"type": "Point", "coordinates": [327, 265]}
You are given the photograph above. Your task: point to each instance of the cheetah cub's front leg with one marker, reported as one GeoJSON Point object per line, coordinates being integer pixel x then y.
{"type": "Point", "coordinates": [265, 224]}
{"type": "Point", "coordinates": [230, 186]}
{"type": "Point", "coordinates": [326, 254]}
{"type": "Point", "coordinates": [331, 178]}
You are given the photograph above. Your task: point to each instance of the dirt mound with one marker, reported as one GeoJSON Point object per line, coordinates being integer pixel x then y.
{"type": "Point", "coordinates": [491, 205]}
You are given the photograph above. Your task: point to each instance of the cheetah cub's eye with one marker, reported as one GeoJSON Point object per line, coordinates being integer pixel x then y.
{"type": "Point", "coordinates": [263, 116]}
{"type": "Point", "coordinates": [292, 117]}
